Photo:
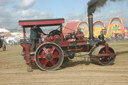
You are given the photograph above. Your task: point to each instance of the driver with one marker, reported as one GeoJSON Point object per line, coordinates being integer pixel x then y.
{"type": "Point", "coordinates": [36, 32]}
{"type": "Point", "coordinates": [35, 36]}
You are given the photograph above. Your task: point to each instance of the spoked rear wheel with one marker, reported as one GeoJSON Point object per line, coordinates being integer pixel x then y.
{"type": "Point", "coordinates": [49, 56]}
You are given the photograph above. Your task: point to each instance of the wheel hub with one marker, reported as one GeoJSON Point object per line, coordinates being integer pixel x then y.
{"type": "Point", "coordinates": [49, 56]}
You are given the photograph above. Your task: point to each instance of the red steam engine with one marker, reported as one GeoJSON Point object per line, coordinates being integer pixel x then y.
{"type": "Point", "coordinates": [50, 53]}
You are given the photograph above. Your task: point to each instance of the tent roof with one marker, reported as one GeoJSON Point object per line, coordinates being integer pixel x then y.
{"type": "Point", "coordinates": [70, 27]}
{"type": "Point", "coordinates": [2, 30]}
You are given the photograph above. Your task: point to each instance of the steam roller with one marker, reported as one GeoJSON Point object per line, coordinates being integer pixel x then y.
{"type": "Point", "coordinates": [51, 52]}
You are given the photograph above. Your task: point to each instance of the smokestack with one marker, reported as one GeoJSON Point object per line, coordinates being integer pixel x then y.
{"type": "Point", "coordinates": [93, 5]}
{"type": "Point", "coordinates": [90, 22]}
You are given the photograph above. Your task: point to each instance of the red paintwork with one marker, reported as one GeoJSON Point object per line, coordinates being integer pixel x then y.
{"type": "Point", "coordinates": [41, 23]}
{"type": "Point", "coordinates": [105, 57]}
{"type": "Point", "coordinates": [33, 60]}
{"type": "Point", "coordinates": [62, 36]}
{"type": "Point", "coordinates": [49, 39]}
{"type": "Point", "coordinates": [106, 47]}
{"type": "Point", "coordinates": [27, 51]}
{"type": "Point", "coordinates": [24, 33]}
{"type": "Point", "coordinates": [43, 56]}
{"type": "Point", "coordinates": [49, 56]}
{"type": "Point", "coordinates": [42, 37]}
{"type": "Point", "coordinates": [64, 43]}
{"type": "Point", "coordinates": [52, 39]}
{"type": "Point", "coordinates": [56, 38]}
{"type": "Point", "coordinates": [106, 54]}
{"type": "Point", "coordinates": [80, 35]}
{"type": "Point", "coordinates": [67, 43]}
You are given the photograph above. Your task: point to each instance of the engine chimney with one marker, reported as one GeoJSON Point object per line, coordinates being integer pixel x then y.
{"type": "Point", "coordinates": [90, 21]}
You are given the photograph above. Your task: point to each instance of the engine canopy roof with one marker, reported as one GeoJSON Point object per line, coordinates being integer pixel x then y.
{"type": "Point", "coordinates": [41, 22]}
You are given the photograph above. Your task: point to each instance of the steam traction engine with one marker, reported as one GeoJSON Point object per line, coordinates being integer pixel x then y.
{"type": "Point", "coordinates": [55, 48]}
{"type": "Point", "coordinates": [2, 44]}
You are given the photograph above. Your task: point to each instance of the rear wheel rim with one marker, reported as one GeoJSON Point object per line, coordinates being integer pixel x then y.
{"type": "Point", "coordinates": [49, 57]}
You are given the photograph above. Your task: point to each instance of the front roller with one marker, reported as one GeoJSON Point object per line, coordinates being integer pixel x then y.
{"type": "Point", "coordinates": [100, 56]}
{"type": "Point", "coordinates": [49, 56]}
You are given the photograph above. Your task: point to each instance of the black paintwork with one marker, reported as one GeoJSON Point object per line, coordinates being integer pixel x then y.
{"type": "Point", "coordinates": [41, 20]}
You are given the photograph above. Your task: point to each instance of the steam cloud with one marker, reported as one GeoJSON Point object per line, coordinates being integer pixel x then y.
{"type": "Point", "coordinates": [94, 4]}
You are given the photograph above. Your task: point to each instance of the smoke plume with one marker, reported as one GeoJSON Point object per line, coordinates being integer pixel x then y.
{"type": "Point", "coordinates": [94, 4]}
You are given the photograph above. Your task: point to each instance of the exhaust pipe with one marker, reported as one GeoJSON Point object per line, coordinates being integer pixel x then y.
{"type": "Point", "coordinates": [90, 22]}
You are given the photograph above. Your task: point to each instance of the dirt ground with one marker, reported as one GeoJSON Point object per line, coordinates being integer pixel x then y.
{"type": "Point", "coordinates": [13, 70]}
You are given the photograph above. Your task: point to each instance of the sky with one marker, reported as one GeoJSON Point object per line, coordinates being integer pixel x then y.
{"type": "Point", "coordinates": [72, 10]}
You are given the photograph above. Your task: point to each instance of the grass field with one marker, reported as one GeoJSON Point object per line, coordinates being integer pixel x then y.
{"type": "Point", "coordinates": [13, 70]}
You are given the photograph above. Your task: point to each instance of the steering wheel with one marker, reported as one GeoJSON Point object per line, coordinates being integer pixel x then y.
{"type": "Point", "coordinates": [54, 32]}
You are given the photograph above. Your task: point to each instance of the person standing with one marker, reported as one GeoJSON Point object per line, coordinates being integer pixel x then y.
{"type": "Point", "coordinates": [35, 36]}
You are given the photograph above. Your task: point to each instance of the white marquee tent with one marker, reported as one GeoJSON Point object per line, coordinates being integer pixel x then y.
{"type": "Point", "coordinates": [3, 30]}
